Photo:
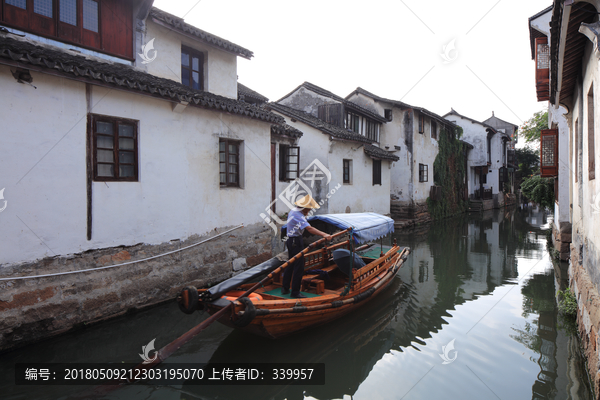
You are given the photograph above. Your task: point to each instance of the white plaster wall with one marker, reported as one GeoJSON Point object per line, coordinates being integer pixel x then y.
{"type": "Point", "coordinates": [42, 164]}
{"type": "Point", "coordinates": [393, 134]}
{"type": "Point", "coordinates": [314, 145]}
{"type": "Point", "coordinates": [496, 158]}
{"type": "Point", "coordinates": [220, 67]}
{"type": "Point", "coordinates": [178, 192]}
{"type": "Point", "coordinates": [476, 135]}
{"type": "Point", "coordinates": [361, 195]}
{"type": "Point", "coordinates": [557, 118]}
{"type": "Point", "coordinates": [586, 220]}
{"type": "Point", "coordinates": [425, 150]}
{"type": "Point", "coordinates": [542, 23]}
{"type": "Point", "coordinates": [401, 182]}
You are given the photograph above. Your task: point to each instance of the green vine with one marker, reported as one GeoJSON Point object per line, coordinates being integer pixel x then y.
{"type": "Point", "coordinates": [449, 173]}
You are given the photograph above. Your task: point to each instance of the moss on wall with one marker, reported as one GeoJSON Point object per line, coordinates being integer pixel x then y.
{"type": "Point", "coordinates": [449, 172]}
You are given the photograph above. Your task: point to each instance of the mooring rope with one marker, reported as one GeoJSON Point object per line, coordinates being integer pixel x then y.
{"type": "Point", "coordinates": [120, 265]}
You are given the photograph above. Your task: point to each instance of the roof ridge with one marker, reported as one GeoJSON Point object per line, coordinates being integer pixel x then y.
{"type": "Point", "coordinates": [183, 27]}
{"type": "Point", "coordinates": [317, 123]}
{"type": "Point", "coordinates": [125, 77]}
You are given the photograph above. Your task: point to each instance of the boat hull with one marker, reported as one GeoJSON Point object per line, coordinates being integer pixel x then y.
{"type": "Point", "coordinates": [281, 321]}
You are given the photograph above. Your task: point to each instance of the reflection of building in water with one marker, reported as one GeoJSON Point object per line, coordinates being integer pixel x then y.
{"type": "Point", "coordinates": [489, 258]}
{"type": "Point", "coordinates": [535, 216]}
{"type": "Point", "coordinates": [459, 261]}
{"type": "Point", "coordinates": [542, 337]}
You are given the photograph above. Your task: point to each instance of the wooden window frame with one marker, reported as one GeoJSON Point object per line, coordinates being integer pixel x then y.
{"type": "Point", "coordinates": [347, 171]}
{"type": "Point", "coordinates": [388, 114]}
{"type": "Point", "coordinates": [191, 54]}
{"type": "Point", "coordinates": [331, 113]}
{"type": "Point", "coordinates": [421, 123]}
{"type": "Point", "coordinates": [423, 173]}
{"type": "Point", "coordinates": [542, 75]}
{"type": "Point", "coordinates": [548, 153]}
{"type": "Point", "coordinates": [353, 122]}
{"type": "Point", "coordinates": [28, 20]}
{"type": "Point", "coordinates": [285, 166]}
{"type": "Point", "coordinates": [227, 142]}
{"type": "Point", "coordinates": [433, 129]}
{"type": "Point", "coordinates": [93, 119]}
{"type": "Point", "coordinates": [372, 130]}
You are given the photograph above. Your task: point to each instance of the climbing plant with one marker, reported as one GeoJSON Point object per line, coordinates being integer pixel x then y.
{"type": "Point", "coordinates": [449, 173]}
{"type": "Point", "coordinates": [539, 190]}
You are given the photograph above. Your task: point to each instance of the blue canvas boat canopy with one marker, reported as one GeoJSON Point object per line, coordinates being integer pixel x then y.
{"type": "Point", "coordinates": [366, 227]}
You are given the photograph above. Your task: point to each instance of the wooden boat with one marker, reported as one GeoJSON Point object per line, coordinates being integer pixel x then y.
{"type": "Point", "coordinates": [262, 309]}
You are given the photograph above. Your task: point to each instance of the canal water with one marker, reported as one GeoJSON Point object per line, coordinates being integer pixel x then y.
{"type": "Point", "coordinates": [471, 315]}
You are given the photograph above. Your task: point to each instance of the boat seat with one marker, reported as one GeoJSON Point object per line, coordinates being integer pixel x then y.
{"type": "Point", "coordinates": [312, 284]}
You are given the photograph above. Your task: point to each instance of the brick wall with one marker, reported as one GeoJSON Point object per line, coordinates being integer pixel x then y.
{"type": "Point", "coordinates": [33, 309]}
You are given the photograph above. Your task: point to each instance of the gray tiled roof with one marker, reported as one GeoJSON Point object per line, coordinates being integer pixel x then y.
{"type": "Point", "coordinates": [453, 112]}
{"type": "Point", "coordinates": [179, 25]}
{"type": "Point", "coordinates": [377, 152]}
{"type": "Point", "coordinates": [285, 130]}
{"type": "Point", "coordinates": [402, 105]}
{"type": "Point", "coordinates": [347, 103]}
{"type": "Point", "coordinates": [118, 76]}
{"type": "Point", "coordinates": [248, 93]}
{"type": "Point", "coordinates": [321, 125]}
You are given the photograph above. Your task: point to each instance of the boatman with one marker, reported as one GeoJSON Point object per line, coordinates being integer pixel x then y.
{"type": "Point", "coordinates": [296, 224]}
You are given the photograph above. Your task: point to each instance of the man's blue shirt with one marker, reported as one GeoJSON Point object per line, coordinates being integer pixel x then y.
{"type": "Point", "coordinates": [296, 223]}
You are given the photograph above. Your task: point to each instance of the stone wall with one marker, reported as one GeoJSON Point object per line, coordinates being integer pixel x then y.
{"type": "Point", "coordinates": [561, 239]}
{"type": "Point", "coordinates": [406, 215]}
{"type": "Point", "coordinates": [588, 315]}
{"type": "Point", "coordinates": [33, 309]}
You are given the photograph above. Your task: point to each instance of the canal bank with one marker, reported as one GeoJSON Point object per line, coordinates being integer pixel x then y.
{"type": "Point", "coordinates": [483, 283]}
{"type": "Point", "coordinates": [51, 296]}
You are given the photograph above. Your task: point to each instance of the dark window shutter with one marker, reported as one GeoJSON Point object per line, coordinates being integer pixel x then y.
{"type": "Point", "coordinates": [331, 113]}
{"type": "Point", "coordinates": [376, 172]}
{"type": "Point", "coordinates": [282, 167]}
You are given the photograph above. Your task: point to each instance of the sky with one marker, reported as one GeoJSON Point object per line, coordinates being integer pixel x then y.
{"type": "Point", "coordinates": [473, 56]}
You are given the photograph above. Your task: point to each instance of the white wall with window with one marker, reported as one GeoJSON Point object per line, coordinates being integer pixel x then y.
{"type": "Point", "coordinates": [176, 192]}
{"type": "Point", "coordinates": [361, 195]}
{"type": "Point", "coordinates": [219, 67]}
{"type": "Point", "coordinates": [409, 134]}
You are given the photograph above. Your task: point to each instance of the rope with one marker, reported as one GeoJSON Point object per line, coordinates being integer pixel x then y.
{"type": "Point", "coordinates": [120, 265]}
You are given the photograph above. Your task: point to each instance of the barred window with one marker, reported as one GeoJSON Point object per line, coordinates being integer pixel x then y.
{"type": "Point", "coordinates": [347, 171]}
{"type": "Point", "coordinates": [289, 162]}
{"type": "Point", "coordinates": [229, 163]}
{"type": "Point", "coordinates": [423, 172]}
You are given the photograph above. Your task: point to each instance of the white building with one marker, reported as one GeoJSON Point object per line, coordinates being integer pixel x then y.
{"type": "Point", "coordinates": [487, 162]}
{"type": "Point", "coordinates": [564, 40]}
{"type": "Point", "coordinates": [115, 151]}
{"type": "Point", "coordinates": [539, 29]}
{"type": "Point", "coordinates": [342, 141]}
{"type": "Point", "coordinates": [412, 133]}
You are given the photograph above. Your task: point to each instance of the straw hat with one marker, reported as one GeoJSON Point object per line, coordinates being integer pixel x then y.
{"type": "Point", "coordinates": [307, 202]}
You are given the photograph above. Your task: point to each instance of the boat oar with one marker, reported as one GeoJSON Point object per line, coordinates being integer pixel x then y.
{"type": "Point", "coordinates": [170, 348]}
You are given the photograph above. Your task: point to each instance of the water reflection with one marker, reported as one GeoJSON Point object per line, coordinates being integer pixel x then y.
{"type": "Point", "coordinates": [461, 282]}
